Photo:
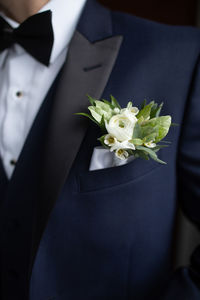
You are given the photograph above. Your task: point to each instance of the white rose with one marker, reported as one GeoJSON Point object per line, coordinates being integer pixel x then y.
{"type": "Point", "coordinates": [121, 126]}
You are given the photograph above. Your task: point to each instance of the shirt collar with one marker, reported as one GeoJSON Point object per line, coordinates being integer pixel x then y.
{"type": "Point", "coordinates": [65, 16]}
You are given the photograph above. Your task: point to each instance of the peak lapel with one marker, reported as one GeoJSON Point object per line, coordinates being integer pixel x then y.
{"type": "Point", "coordinates": [87, 70]}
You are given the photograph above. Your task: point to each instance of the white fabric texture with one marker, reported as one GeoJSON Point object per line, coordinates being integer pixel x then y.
{"type": "Point", "coordinates": [102, 158]}
{"type": "Point", "coordinates": [24, 82]}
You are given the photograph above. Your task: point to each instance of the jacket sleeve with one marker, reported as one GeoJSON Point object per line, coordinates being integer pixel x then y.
{"type": "Point", "coordinates": [185, 283]}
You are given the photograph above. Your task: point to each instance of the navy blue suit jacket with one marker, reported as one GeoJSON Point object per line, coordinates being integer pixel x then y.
{"type": "Point", "coordinates": [109, 233]}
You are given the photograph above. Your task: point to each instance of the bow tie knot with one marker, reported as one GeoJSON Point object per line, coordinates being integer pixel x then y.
{"type": "Point", "coordinates": [35, 35]}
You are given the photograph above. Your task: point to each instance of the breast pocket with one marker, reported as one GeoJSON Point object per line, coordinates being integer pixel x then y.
{"type": "Point", "coordinates": [106, 178]}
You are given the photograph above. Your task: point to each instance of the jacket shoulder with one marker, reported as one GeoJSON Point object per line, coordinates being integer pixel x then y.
{"type": "Point", "coordinates": [132, 27]}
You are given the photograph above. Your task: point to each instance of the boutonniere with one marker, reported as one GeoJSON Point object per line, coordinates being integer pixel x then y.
{"type": "Point", "coordinates": [130, 131]}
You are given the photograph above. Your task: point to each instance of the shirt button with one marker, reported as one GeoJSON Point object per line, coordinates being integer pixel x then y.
{"type": "Point", "coordinates": [13, 162]}
{"type": "Point", "coordinates": [19, 94]}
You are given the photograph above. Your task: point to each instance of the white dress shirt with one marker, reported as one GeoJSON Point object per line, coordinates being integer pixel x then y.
{"type": "Point", "coordinates": [24, 82]}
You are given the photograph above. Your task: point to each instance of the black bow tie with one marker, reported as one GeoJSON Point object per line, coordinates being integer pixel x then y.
{"type": "Point", "coordinates": [35, 35]}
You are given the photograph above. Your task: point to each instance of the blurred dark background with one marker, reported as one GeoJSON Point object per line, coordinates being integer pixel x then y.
{"type": "Point", "coordinates": [175, 12]}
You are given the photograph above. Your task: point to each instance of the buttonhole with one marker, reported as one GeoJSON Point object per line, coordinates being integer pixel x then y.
{"type": "Point", "coordinates": [87, 69]}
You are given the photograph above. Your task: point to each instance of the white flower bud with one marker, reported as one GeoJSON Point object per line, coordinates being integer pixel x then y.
{"type": "Point", "coordinates": [110, 140]}
{"type": "Point", "coordinates": [116, 110]}
{"type": "Point", "coordinates": [150, 144]}
{"type": "Point", "coordinates": [122, 154]}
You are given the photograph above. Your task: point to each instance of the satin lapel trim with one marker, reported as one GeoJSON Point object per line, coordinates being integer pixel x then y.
{"type": "Point", "coordinates": [87, 70]}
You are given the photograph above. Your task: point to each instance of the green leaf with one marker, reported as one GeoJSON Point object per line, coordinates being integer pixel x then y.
{"type": "Point", "coordinates": [149, 129]}
{"type": "Point", "coordinates": [96, 113]}
{"type": "Point", "coordinates": [114, 102]}
{"type": "Point", "coordinates": [158, 160]}
{"type": "Point", "coordinates": [163, 124]}
{"type": "Point", "coordinates": [144, 103]}
{"type": "Point", "coordinates": [141, 154]}
{"type": "Point", "coordinates": [130, 151]}
{"type": "Point", "coordinates": [151, 153]}
{"type": "Point", "coordinates": [147, 150]}
{"type": "Point", "coordinates": [88, 116]}
{"type": "Point", "coordinates": [102, 123]}
{"type": "Point", "coordinates": [107, 102]}
{"type": "Point", "coordinates": [137, 142]}
{"type": "Point", "coordinates": [92, 100]}
{"type": "Point", "coordinates": [103, 106]}
{"type": "Point", "coordinates": [101, 139]}
{"type": "Point", "coordinates": [137, 131]}
{"type": "Point", "coordinates": [149, 138]}
{"type": "Point", "coordinates": [158, 125]}
{"type": "Point", "coordinates": [159, 110]}
{"type": "Point", "coordinates": [140, 120]}
{"type": "Point", "coordinates": [99, 110]}
{"type": "Point", "coordinates": [146, 111]}
{"type": "Point", "coordinates": [155, 111]}
{"type": "Point", "coordinates": [158, 147]}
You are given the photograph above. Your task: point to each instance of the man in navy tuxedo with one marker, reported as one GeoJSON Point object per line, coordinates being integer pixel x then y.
{"type": "Point", "coordinates": [67, 233]}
